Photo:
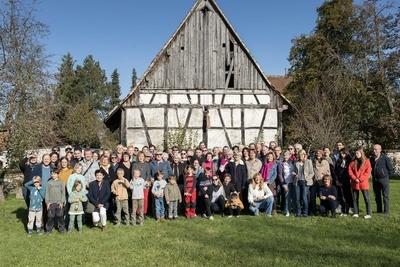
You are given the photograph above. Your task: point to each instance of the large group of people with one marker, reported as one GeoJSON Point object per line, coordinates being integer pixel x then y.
{"type": "Point", "coordinates": [128, 184]}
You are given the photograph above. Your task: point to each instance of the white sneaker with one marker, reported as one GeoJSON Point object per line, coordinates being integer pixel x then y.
{"type": "Point", "coordinates": [367, 217]}
{"type": "Point", "coordinates": [355, 215]}
{"type": "Point", "coordinates": [211, 218]}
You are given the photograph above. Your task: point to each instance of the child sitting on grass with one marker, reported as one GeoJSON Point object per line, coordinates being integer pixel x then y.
{"type": "Point", "coordinates": [137, 186]}
{"type": "Point", "coordinates": [55, 197]}
{"type": "Point", "coordinates": [37, 194]}
{"type": "Point", "coordinates": [75, 199]}
{"type": "Point", "coordinates": [234, 205]}
{"type": "Point", "coordinates": [158, 193]}
{"type": "Point", "coordinates": [120, 189]}
{"type": "Point", "coordinates": [172, 197]}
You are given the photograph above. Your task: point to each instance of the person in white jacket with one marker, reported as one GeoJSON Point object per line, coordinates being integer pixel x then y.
{"type": "Point", "coordinates": [260, 196]}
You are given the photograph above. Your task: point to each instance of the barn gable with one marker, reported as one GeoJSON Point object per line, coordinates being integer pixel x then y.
{"type": "Point", "coordinates": [205, 79]}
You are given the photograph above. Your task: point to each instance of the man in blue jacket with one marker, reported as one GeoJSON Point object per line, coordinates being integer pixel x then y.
{"type": "Point", "coordinates": [382, 168]}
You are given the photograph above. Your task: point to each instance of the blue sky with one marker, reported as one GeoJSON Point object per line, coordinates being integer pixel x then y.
{"type": "Point", "coordinates": [126, 34]}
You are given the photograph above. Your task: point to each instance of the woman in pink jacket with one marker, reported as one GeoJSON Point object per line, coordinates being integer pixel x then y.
{"type": "Point", "coordinates": [359, 172]}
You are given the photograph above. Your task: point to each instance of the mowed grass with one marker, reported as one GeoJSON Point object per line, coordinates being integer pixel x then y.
{"type": "Point", "coordinates": [244, 241]}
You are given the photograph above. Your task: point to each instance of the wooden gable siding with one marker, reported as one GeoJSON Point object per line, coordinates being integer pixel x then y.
{"type": "Point", "coordinates": [201, 56]}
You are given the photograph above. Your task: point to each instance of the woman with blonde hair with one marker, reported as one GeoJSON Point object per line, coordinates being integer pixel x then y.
{"type": "Point", "coordinates": [359, 172]}
{"type": "Point", "coordinates": [260, 196]}
{"type": "Point", "coordinates": [302, 178]}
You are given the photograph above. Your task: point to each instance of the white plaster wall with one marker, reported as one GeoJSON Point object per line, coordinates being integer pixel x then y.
{"type": "Point", "coordinates": [179, 99]}
{"type": "Point", "coordinates": [133, 118]}
{"type": "Point", "coordinates": [154, 117]}
{"type": "Point", "coordinates": [175, 115]}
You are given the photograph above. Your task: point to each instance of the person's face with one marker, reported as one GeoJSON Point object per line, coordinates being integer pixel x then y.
{"type": "Point", "coordinates": [78, 187]}
{"type": "Point", "coordinates": [88, 155]}
{"type": "Point", "coordinates": [159, 156]}
{"type": "Point", "coordinates": [78, 154]}
{"type": "Point", "coordinates": [227, 179]}
{"type": "Point", "coordinates": [64, 163]}
{"type": "Point", "coordinates": [339, 146]}
{"type": "Point", "coordinates": [377, 150]}
{"type": "Point", "coordinates": [270, 158]}
{"type": "Point", "coordinates": [78, 169]}
{"type": "Point", "coordinates": [125, 158]}
{"type": "Point", "coordinates": [358, 154]}
{"type": "Point", "coordinates": [141, 157]}
{"type": "Point", "coordinates": [99, 177]}
{"type": "Point", "coordinates": [53, 158]}
{"type": "Point", "coordinates": [198, 153]}
{"type": "Point", "coordinates": [46, 160]}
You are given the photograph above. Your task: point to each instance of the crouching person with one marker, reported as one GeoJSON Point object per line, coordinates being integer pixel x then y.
{"type": "Point", "coordinates": [99, 193]}
{"type": "Point", "coordinates": [328, 197]}
{"type": "Point", "coordinates": [260, 196]}
{"type": "Point", "coordinates": [55, 197]}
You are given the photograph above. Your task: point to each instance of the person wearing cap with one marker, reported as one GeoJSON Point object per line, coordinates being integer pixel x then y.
{"type": "Point", "coordinates": [26, 166]}
{"type": "Point", "coordinates": [321, 168]}
{"type": "Point", "coordinates": [159, 164]}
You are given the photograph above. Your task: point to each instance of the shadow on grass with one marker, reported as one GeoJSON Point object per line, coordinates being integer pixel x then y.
{"type": "Point", "coordinates": [22, 216]}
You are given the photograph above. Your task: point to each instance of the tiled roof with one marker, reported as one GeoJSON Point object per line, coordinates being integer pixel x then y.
{"type": "Point", "coordinates": [279, 82]}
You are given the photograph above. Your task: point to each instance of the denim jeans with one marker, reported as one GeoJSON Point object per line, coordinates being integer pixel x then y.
{"type": "Point", "coordinates": [289, 198]}
{"type": "Point", "coordinates": [301, 196]}
{"type": "Point", "coordinates": [160, 210]}
{"type": "Point", "coordinates": [263, 204]}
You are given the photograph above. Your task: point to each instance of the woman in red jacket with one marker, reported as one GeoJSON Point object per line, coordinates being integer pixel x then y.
{"type": "Point", "coordinates": [359, 172]}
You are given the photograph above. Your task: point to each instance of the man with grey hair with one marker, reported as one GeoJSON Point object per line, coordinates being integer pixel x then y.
{"type": "Point", "coordinates": [382, 168]}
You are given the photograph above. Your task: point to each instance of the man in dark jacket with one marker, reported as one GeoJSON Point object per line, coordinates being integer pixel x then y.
{"type": "Point", "coordinates": [382, 168]}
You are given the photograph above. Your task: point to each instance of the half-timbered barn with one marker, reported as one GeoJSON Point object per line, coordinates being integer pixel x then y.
{"type": "Point", "coordinates": [204, 79]}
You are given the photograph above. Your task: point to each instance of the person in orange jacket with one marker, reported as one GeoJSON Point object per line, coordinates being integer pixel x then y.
{"type": "Point", "coordinates": [359, 172]}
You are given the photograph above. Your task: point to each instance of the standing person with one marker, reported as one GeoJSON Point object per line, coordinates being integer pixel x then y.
{"type": "Point", "coordinates": [238, 171]}
{"type": "Point", "coordinates": [285, 176]}
{"type": "Point", "coordinates": [158, 194]}
{"type": "Point", "coordinates": [137, 185]}
{"type": "Point", "coordinates": [269, 174]}
{"type": "Point", "coordinates": [55, 198]}
{"type": "Point", "coordinates": [204, 190]}
{"type": "Point", "coordinates": [120, 189]}
{"type": "Point", "coordinates": [189, 192]}
{"type": "Point", "coordinates": [382, 168]}
{"type": "Point", "coordinates": [260, 196]}
{"type": "Point", "coordinates": [35, 205]}
{"type": "Point", "coordinates": [343, 182]}
{"type": "Point", "coordinates": [158, 164]}
{"type": "Point", "coordinates": [144, 168]}
{"type": "Point", "coordinates": [172, 197]}
{"type": "Point", "coordinates": [89, 167]}
{"type": "Point", "coordinates": [302, 178]}
{"type": "Point", "coordinates": [321, 168]}
{"type": "Point", "coordinates": [328, 197]}
{"type": "Point", "coordinates": [26, 166]}
{"type": "Point", "coordinates": [75, 200]}
{"type": "Point", "coordinates": [99, 194]}
{"type": "Point", "coordinates": [359, 172]}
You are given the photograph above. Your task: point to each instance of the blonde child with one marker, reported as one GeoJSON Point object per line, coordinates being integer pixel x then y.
{"type": "Point", "coordinates": [137, 185]}
{"type": "Point", "coordinates": [158, 193]}
{"type": "Point", "coordinates": [172, 197]}
{"type": "Point", "coordinates": [120, 189]}
{"type": "Point", "coordinates": [234, 204]}
{"type": "Point", "coordinates": [77, 196]}
{"type": "Point", "coordinates": [37, 194]}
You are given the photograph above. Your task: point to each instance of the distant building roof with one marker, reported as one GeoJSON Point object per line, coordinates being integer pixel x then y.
{"type": "Point", "coordinates": [279, 82]}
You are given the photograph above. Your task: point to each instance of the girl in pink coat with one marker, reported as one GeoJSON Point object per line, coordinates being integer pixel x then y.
{"type": "Point", "coordinates": [359, 172]}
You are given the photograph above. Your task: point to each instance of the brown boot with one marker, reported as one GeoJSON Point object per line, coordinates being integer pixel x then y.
{"type": "Point", "coordinates": [103, 229]}
{"type": "Point", "coordinates": [274, 212]}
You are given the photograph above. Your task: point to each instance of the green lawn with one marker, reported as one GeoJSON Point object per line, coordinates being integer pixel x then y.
{"type": "Point", "coordinates": [244, 241]}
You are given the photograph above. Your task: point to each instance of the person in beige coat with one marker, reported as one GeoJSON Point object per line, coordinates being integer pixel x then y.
{"type": "Point", "coordinates": [302, 179]}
